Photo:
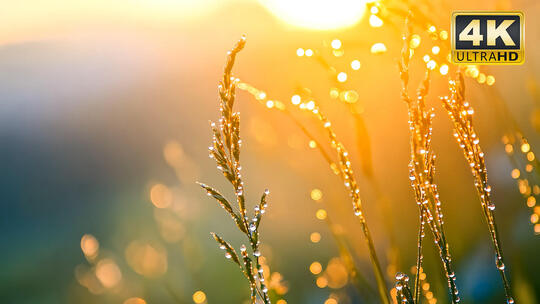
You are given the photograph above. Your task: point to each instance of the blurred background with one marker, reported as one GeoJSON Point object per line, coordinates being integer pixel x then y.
{"type": "Point", "coordinates": [104, 132]}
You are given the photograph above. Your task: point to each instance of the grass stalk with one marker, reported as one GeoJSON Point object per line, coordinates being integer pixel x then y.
{"type": "Point", "coordinates": [366, 164]}
{"type": "Point", "coordinates": [422, 170]}
{"type": "Point", "coordinates": [404, 294]}
{"type": "Point", "coordinates": [226, 152]}
{"type": "Point", "coordinates": [419, 258]}
{"type": "Point", "coordinates": [348, 176]}
{"type": "Point", "coordinates": [461, 113]}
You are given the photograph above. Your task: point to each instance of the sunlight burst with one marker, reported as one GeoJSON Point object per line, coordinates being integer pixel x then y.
{"type": "Point", "coordinates": [317, 15]}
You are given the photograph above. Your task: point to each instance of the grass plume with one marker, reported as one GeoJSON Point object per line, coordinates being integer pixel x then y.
{"type": "Point", "coordinates": [461, 113]}
{"type": "Point", "coordinates": [422, 171]}
{"type": "Point", "coordinates": [226, 152]}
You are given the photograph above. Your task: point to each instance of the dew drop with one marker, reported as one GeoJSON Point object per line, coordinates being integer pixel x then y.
{"type": "Point", "coordinates": [500, 264]}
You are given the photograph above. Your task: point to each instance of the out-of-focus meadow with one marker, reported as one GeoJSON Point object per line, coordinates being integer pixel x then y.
{"type": "Point", "coordinates": [104, 132]}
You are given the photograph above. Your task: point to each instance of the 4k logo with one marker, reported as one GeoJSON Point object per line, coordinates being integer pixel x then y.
{"type": "Point", "coordinates": [488, 37]}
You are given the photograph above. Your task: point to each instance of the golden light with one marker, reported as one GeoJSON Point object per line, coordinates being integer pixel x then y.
{"type": "Point", "coordinates": [534, 218]}
{"type": "Point", "coordinates": [355, 65]}
{"type": "Point", "coordinates": [300, 52]}
{"type": "Point", "coordinates": [435, 50]}
{"type": "Point", "coordinates": [330, 301]}
{"type": "Point", "coordinates": [315, 268]}
{"type": "Point", "coordinates": [443, 69]}
{"type": "Point", "coordinates": [336, 44]}
{"type": "Point", "coordinates": [135, 301]}
{"type": "Point", "coordinates": [108, 273]}
{"type": "Point", "coordinates": [338, 53]}
{"type": "Point", "coordinates": [531, 201]}
{"type": "Point", "coordinates": [350, 96]}
{"type": "Point", "coordinates": [443, 35]}
{"type": "Point", "coordinates": [481, 78]}
{"type": "Point", "coordinates": [415, 41]}
{"type": "Point", "coordinates": [474, 71]}
{"type": "Point", "coordinates": [87, 278]}
{"type": "Point", "coordinates": [309, 52]}
{"type": "Point", "coordinates": [523, 186]}
{"type": "Point", "coordinates": [147, 259]}
{"type": "Point", "coordinates": [310, 105]}
{"type": "Point", "coordinates": [375, 21]}
{"type": "Point", "coordinates": [315, 237]}
{"type": "Point", "coordinates": [321, 282]}
{"type": "Point", "coordinates": [161, 196]}
{"type": "Point", "coordinates": [312, 144]}
{"type": "Point", "coordinates": [199, 297]}
{"type": "Point", "coordinates": [321, 214]}
{"type": "Point", "coordinates": [515, 174]}
{"type": "Point", "coordinates": [334, 93]}
{"type": "Point", "coordinates": [525, 147]}
{"type": "Point", "coordinates": [490, 80]}
{"type": "Point", "coordinates": [316, 194]}
{"type": "Point", "coordinates": [431, 64]}
{"type": "Point", "coordinates": [378, 48]}
{"type": "Point", "coordinates": [281, 301]}
{"type": "Point", "coordinates": [317, 15]}
{"type": "Point", "coordinates": [342, 77]}
{"type": "Point", "coordinates": [261, 96]}
{"type": "Point", "coordinates": [336, 273]}
{"type": "Point", "coordinates": [89, 246]}
{"type": "Point", "coordinates": [173, 154]}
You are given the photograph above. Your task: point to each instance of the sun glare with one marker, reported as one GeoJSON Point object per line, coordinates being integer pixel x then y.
{"type": "Point", "coordinates": [317, 14]}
